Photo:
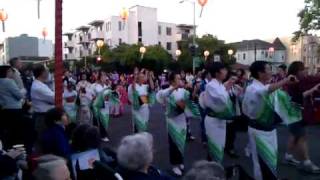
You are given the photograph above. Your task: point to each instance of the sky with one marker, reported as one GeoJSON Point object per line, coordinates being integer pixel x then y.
{"type": "Point", "coordinates": [229, 20]}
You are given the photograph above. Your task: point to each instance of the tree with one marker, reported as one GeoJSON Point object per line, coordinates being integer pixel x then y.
{"type": "Point", "coordinates": [206, 42]}
{"type": "Point", "coordinates": [309, 18]}
{"type": "Point", "coordinates": [156, 58]}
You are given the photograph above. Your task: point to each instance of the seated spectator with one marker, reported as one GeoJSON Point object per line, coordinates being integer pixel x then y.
{"type": "Point", "coordinates": [51, 167]}
{"type": "Point", "coordinates": [135, 155]}
{"type": "Point", "coordinates": [54, 139]}
{"type": "Point", "coordinates": [9, 163]}
{"type": "Point", "coordinates": [205, 170]}
{"type": "Point", "coordinates": [86, 137]}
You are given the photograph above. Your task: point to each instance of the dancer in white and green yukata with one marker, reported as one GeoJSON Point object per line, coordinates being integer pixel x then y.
{"type": "Point", "coordinates": [101, 109]}
{"type": "Point", "coordinates": [216, 100]}
{"type": "Point", "coordinates": [176, 100]}
{"type": "Point", "coordinates": [260, 105]}
{"type": "Point", "coordinates": [139, 93]}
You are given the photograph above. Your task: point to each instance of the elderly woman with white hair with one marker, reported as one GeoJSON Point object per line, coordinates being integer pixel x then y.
{"type": "Point", "coordinates": [204, 170]}
{"type": "Point", "coordinates": [135, 155]}
{"type": "Point", "coordinates": [51, 167]}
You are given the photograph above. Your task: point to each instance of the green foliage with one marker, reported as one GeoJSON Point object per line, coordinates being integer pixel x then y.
{"type": "Point", "coordinates": [125, 57]}
{"type": "Point", "coordinates": [309, 18]}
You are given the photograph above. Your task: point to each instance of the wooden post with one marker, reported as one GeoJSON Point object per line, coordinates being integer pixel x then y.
{"type": "Point", "coordinates": [58, 71]}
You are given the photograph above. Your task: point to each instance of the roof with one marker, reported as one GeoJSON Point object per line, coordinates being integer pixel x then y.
{"type": "Point", "coordinates": [83, 28]}
{"type": "Point", "coordinates": [258, 45]}
{"type": "Point", "coordinates": [251, 45]}
{"type": "Point", "coordinates": [67, 34]}
{"type": "Point", "coordinates": [240, 66]}
{"type": "Point", "coordinates": [184, 26]}
{"type": "Point", "coordinates": [278, 45]}
{"type": "Point", "coordinates": [96, 23]}
{"type": "Point", "coordinates": [33, 58]}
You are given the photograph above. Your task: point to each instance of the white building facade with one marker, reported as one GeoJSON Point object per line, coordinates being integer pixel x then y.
{"type": "Point", "coordinates": [141, 26]}
{"type": "Point", "coordinates": [249, 51]}
{"type": "Point", "coordinates": [26, 48]}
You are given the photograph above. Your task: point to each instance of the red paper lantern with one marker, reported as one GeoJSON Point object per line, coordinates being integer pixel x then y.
{"type": "Point", "coordinates": [44, 33]}
{"type": "Point", "coordinates": [202, 2]}
{"type": "Point", "coordinates": [3, 15]}
{"type": "Point", "coordinates": [3, 18]}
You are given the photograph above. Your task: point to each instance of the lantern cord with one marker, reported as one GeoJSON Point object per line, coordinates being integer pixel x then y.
{"type": "Point", "coordinates": [3, 27]}
{"type": "Point", "coordinates": [201, 11]}
{"type": "Point", "coordinates": [124, 24]}
{"type": "Point", "coordinates": [38, 9]}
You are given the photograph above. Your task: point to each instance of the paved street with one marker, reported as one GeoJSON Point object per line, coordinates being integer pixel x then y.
{"type": "Point", "coordinates": [194, 151]}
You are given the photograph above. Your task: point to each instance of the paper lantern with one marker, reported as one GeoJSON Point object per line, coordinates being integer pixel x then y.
{"type": "Point", "coordinates": [3, 18]}
{"type": "Point", "coordinates": [124, 14]}
{"type": "Point", "coordinates": [202, 4]}
{"type": "Point", "coordinates": [44, 33]}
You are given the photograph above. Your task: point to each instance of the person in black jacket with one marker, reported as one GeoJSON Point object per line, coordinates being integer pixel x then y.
{"type": "Point", "coordinates": [9, 163]}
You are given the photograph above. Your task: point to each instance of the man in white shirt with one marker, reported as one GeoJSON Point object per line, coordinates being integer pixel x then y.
{"type": "Point", "coordinates": [16, 65]}
{"type": "Point", "coordinates": [258, 106]}
{"type": "Point", "coordinates": [42, 97]}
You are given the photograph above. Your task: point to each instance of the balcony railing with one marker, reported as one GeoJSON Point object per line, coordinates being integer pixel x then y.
{"type": "Point", "coordinates": [68, 44]}
{"type": "Point", "coordinates": [182, 36]}
{"type": "Point", "coordinates": [70, 56]}
{"type": "Point", "coordinates": [96, 35]}
{"type": "Point", "coordinates": [83, 39]}
{"type": "Point", "coordinates": [84, 53]}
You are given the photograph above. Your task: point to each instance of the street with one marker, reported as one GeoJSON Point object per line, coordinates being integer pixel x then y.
{"type": "Point", "coordinates": [122, 126]}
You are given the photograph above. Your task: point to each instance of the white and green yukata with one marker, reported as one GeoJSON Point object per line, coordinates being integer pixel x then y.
{"type": "Point", "coordinates": [101, 106]}
{"type": "Point", "coordinates": [115, 104]}
{"type": "Point", "coordinates": [216, 100]}
{"type": "Point", "coordinates": [260, 106]}
{"type": "Point", "coordinates": [176, 118]}
{"type": "Point", "coordinates": [70, 107]}
{"type": "Point", "coordinates": [140, 110]}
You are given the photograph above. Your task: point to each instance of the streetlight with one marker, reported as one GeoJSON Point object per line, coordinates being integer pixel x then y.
{"type": "Point", "coordinates": [99, 43]}
{"type": "Point", "coordinates": [230, 53]}
{"type": "Point", "coordinates": [206, 53]}
{"type": "Point", "coordinates": [3, 18]}
{"type": "Point", "coordinates": [178, 53]}
{"type": "Point", "coordinates": [142, 51]}
{"type": "Point", "coordinates": [194, 30]}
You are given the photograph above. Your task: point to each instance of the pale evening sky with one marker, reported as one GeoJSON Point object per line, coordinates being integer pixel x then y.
{"type": "Point", "coordinates": [231, 20]}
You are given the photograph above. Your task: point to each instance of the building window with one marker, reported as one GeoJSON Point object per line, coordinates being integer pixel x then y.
{"type": "Point", "coordinates": [139, 28]}
{"type": "Point", "coordinates": [108, 26]}
{"type": "Point", "coordinates": [244, 56]}
{"type": "Point", "coordinates": [266, 55]}
{"type": "Point", "coordinates": [169, 46]}
{"type": "Point", "coordinates": [169, 31]}
{"type": "Point", "coordinates": [140, 40]}
{"type": "Point", "coordinates": [187, 31]}
{"type": "Point", "coordinates": [282, 57]}
{"type": "Point", "coordinates": [262, 52]}
{"type": "Point", "coordinates": [120, 41]}
{"type": "Point", "coordinates": [159, 30]}
{"type": "Point", "coordinates": [119, 25]}
{"type": "Point", "coordinates": [159, 43]}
